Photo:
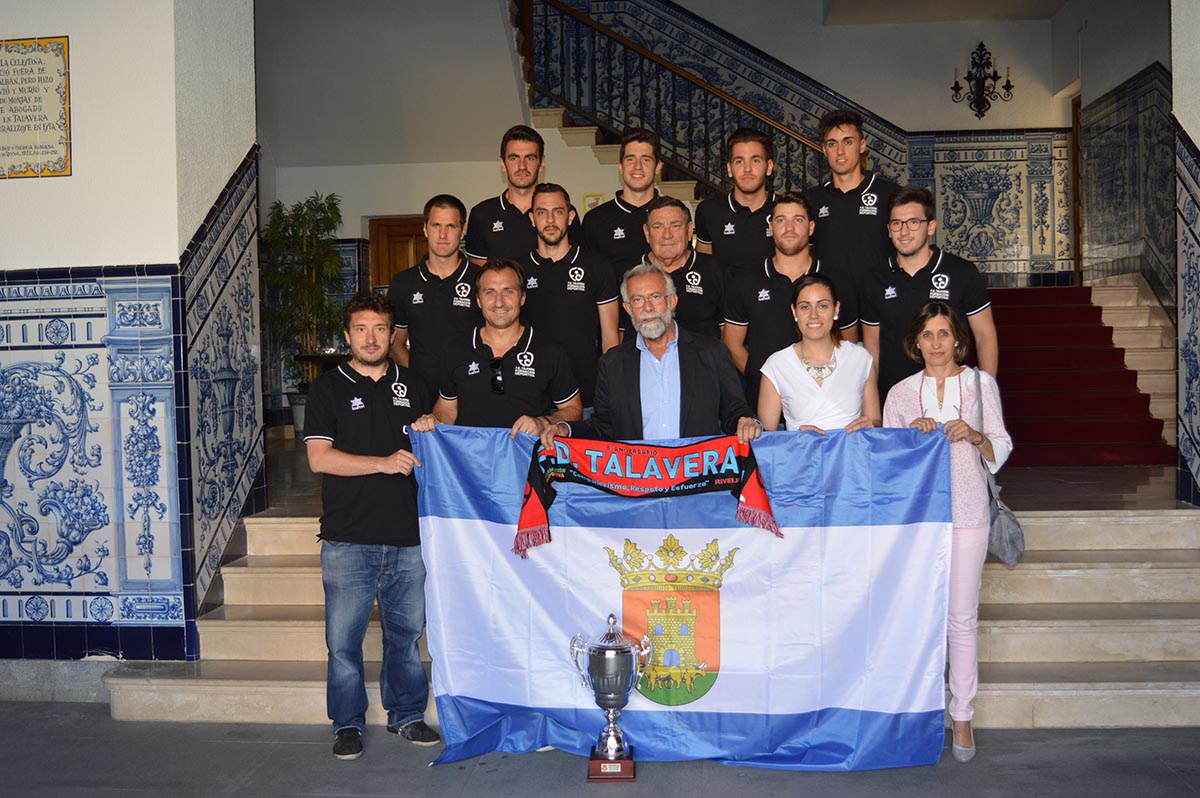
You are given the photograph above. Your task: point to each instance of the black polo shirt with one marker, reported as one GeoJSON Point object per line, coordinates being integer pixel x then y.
{"type": "Point", "coordinates": [365, 417]}
{"type": "Point", "coordinates": [498, 229]}
{"type": "Point", "coordinates": [740, 239]}
{"type": "Point", "coordinates": [851, 235]}
{"type": "Point", "coordinates": [562, 300]}
{"type": "Point", "coordinates": [434, 311]}
{"type": "Point", "coordinates": [700, 285]}
{"type": "Point", "coordinates": [891, 298]}
{"type": "Point", "coordinates": [537, 377]}
{"type": "Point", "coordinates": [761, 301]}
{"type": "Point", "coordinates": [614, 231]}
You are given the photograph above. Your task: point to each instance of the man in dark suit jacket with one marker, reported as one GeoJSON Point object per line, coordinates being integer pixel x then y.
{"type": "Point", "coordinates": [665, 382]}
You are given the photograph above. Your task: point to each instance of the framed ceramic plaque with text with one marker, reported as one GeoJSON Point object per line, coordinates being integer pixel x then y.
{"type": "Point", "coordinates": [35, 108]}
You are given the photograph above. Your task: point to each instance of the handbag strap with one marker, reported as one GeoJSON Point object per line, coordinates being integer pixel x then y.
{"type": "Point", "coordinates": [993, 488]}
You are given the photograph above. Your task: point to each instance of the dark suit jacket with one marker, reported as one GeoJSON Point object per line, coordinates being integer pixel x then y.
{"type": "Point", "coordinates": [711, 396]}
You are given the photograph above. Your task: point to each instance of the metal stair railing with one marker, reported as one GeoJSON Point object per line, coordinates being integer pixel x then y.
{"type": "Point", "coordinates": [617, 84]}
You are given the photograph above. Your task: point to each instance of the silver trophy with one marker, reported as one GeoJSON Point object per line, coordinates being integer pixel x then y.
{"type": "Point", "coordinates": [614, 667]}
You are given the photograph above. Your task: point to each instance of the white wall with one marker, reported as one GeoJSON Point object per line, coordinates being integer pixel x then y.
{"type": "Point", "coordinates": [902, 72]}
{"type": "Point", "coordinates": [1185, 64]}
{"type": "Point", "coordinates": [1103, 43]}
{"type": "Point", "coordinates": [118, 206]}
{"type": "Point", "coordinates": [214, 102]}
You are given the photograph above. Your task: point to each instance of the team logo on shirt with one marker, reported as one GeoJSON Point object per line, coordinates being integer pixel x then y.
{"type": "Point", "coordinates": [768, 225]}
{"type": "Point", "coordinates": [418, 299]}
{"type": "Point", "coordinates": [868, 208]}
{"type": "Point", "coordinates": [618, 233]}
{"type": "Point", "coordinates": [693, 283]}
{"type": "Point", "coordinates": [356, 403]}
{"type": "Point", "coordinates": [575, 275]}
{"type": "Point", "coordinates": [823, 212]}
{"type": "Point", "coordinates": [889, 292]}
{"type": "Point", "coordinates": [941, 287]}
{"type": "Point", "coordinates": [729, 229]}
{"type": "Point", "coordinates": [524, 365]}
{"type": "Point", "coordinates": [497, 226]}
{"type": "Point", "coordinates": [400, 395]}
{"type": "Point", "coordinates": [531, 282]}
{"type": "Point", "coordinates": [764, 295]}
{"type": "Point", "coordinates": [462, 295]}
{"type": "Point", "coordinates": [472, 368]}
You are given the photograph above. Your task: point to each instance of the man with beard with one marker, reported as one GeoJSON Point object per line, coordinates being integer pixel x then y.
{"type": "Point", "coordinates": [499, 227]}
{"type": "Point", "coordinates": [665, 382]}
{"type": "Point", "coordinates": [920, 272]}
{"type": "Point", "coordinates": [614, 229]}
{"type": "Point", "coordinates": [505, 374]}
{"type": "Point", "coordinates": [737, 228]}
{"type": "Point", "coordinates": [435, 300]}
{"type": "Point", "coordinates": [758, 312]}
{"type": "Point", "coordinates": [571, 295]}
{"type": "Point", "coordinates": [356, 436]}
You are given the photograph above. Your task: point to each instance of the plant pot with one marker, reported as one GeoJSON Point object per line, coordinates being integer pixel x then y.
{"type": "Point", "coordinates": [296, 402]}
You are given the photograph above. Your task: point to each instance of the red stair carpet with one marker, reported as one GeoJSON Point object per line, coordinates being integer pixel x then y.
{"type": "Point", "coordinates": [1068, 398]}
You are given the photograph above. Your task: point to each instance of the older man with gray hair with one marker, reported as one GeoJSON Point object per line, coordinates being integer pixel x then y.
{"type": "Point", "coordinates": [665, 382]}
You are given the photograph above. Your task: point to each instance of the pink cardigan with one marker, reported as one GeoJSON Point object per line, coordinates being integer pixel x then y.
{"type": "Point", "coordinates": [968, 484]}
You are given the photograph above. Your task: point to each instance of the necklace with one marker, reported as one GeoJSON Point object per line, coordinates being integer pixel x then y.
{"type": "Point", "coordinates": [820, 373]}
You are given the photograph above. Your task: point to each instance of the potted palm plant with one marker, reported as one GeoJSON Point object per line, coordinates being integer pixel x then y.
{"type": "Point", "coordinates": [300, 266]}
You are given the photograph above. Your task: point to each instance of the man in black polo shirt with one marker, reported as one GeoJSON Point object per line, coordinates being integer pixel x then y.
{"type": "Point", "coordinates": [435, 300]}
{"type": "Point", "coordinates": [699, 279]}
{"type": "Point", "coordinates": [499, 227]}
{"type": "Point", "coordinates": [919, 273]}
{"type": "Point", "coordinates": [571, 294]}
{"type": "Point", "coordinates": [614, 229]}
{"type": "Point", "coordinates": [737, 228]}
{"type": "Point", "coordinates": [758, 312]}
{"type": "Point", "coordinates": [503, 374]}
{"type": "Point", "coordinates": [355, 436]}
{"type": "Point", "coordinates": [851, 237]}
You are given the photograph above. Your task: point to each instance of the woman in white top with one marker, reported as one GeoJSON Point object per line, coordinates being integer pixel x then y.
{"type": "Point", "coordinates": [822, 382]}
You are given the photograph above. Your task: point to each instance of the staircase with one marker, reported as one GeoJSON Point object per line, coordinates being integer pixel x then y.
{"type": "Point", "coordinates": [1099, 626]}
{"type": "Point", "coordinates": [1084, 383]}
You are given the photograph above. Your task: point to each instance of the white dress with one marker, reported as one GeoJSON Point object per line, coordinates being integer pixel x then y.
{"type": "Point", "coordinates": [834, 403]}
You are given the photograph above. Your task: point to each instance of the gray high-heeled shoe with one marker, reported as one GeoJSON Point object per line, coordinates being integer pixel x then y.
{"type": "Point", "coordinates": [963, 753]}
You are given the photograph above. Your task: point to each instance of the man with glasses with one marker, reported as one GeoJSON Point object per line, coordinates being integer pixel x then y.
{"type": "Point", "coordinates": [920, 272]}
{"type": "Point", "coordinates": [665, 382]}
{"type": "Point", "coordinates": [504, 374]}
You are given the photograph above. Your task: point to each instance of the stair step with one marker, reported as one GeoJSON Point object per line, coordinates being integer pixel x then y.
{"type": "Point", "coordinates": [1109, 530]}
{"type": "Point", "coordinates": [584, 136]}
{"type": "Point", "coordinates": [607, 153]}
{"type": "Point", "coordinates": [1085, 455]}
{"type": "Point", "coordinates": [1099, 378]}
{"type": "Point", "coordinates": [1089, 632]}
{"type": "Point", "coordinates": [270, 633]}
{"type": "Point", "coordinates": [679, 189]}
{"type": "Point", "coordinates": [1087, 695]}
{"type": "Point", "coordinates": [1072, 577]}
{"type": "Point", "coordinates": [1159, 359]}
{"type": "Point", "coordinates": [233, 692]}
{"type": "Point", "coordinates": [546, 117]}
{"type": "Point", "coordinates": [1141, 337]}
{"type": "Point", "coordinates": [282, 535]}
{"type": "Point", "coordinates": [1115, 295]}
{"type": "Point", "coordinates": [1086, 429]}
{"type": "Point", "coordinates": [1051, 316]}
{"type": "Point", "coordinates": [1075, 356]}
{"type": "Point", "coordinates": [1064, 295]}
{"type": "Point", "coordinates": [1034, 403]}
{"type": "Point", "coordinates": [274, 579]}
{"type": "Point", "coordinates": [1137, 316]}
{"type": "Point", "coordinates": [1065, 335]}
{"type": "Point", "coordinates": [1156, 380]}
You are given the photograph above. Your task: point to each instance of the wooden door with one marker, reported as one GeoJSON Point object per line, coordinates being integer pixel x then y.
{"type": "Point", "coordinates": [397, 243]}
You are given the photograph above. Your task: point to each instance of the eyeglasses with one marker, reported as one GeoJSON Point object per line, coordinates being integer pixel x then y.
{"type": "Point", "coordinates": [653, 299]}
{"type": "Point", "coordinates": [497, 376]}
{"type": "Point", "coordinates": [912, 224]}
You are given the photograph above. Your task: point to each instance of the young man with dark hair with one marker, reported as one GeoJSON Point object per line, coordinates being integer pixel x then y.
{"type": "Point", "coordinates": [356, 436]}
{"type": "Point", "coordinates": [434, 301]}
{"type": "Point", "coordinates": [499, 227]}
{"type": "Point", "coordinates": [851, 236]}
{"type": "Point", "coordinates": [506, 374]}
{"type": "Point", "coordinates": [919, 272]}
{"type": "Point", "coordinates": [736, 228]}
{"type": "Point", "coordinates": [758, 310]}
{"type": "Point", "coordinates": [571, 294]}
{"type": "Point", "coordinates": [614, 229]}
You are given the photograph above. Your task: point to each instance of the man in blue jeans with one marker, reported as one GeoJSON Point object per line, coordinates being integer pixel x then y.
{"type": "Point", "coordinates": [357, 436]}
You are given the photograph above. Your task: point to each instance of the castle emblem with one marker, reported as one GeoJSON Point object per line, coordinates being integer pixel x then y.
{"type": "Point", "coordinates": [674, 598]}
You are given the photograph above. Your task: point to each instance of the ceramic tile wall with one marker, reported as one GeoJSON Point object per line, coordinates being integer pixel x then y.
{"type": "Point", "coordinates": [1187, 219]}
{"type": "Point", "coordinates": [1128, 142]}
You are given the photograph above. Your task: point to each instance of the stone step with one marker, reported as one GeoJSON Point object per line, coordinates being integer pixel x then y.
{"type": "Point", "coordinates": [1156, 381]}
{"type": "Point", "coordinates": [274, 579]}
{"type": "Point", "coordinates": [1087, 695]}
{"type": "Point", "coordinates": [1160, 358]}
{"type": "Point", "coordinates": [551, 117]}
{"type": "Point", "coordinates": [282, 632]}
{"type": "Point", "coordinates": [1089, 632]}
{"type": "Point", "coordinates": [1141, 337]}
{"type": "Point", "coordinates": [1115, 295]}
{"type": "Point", "coordinates": [584, 136]}
{"type": "Point", "coordinates": [607, 153]}
{"type": "Point", "coordinates": [1135, 316]}
{"type": "Point", "coordinates": [282, 535]}
{"type": "Point", "coordinates": [1108, 530]}
{"type": "Point", "coordinates": [679, 189]}
{"type": "Point", "coordinates": [233, 692]}
{"type": "Point", "coordinates": [1129, 575]}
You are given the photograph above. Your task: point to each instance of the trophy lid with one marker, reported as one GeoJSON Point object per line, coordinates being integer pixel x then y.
{"type": "Point", "coordinates": [612, 640]}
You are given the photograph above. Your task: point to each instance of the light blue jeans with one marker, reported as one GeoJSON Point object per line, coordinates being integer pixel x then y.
{"type": "Point", "coordinates": [355, 575]}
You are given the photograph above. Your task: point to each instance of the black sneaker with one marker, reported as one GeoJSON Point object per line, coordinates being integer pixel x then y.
{"type": "Point", "coordinates": [417, 733]}
{"type": "Point", "coordinates": [348, 743]}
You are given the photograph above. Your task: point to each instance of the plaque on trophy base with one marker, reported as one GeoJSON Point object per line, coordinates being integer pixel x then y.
{"type": "Point", "coordinates": [601, 768]}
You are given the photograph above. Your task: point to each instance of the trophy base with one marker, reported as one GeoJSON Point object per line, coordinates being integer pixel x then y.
{"type": "Point", "coordinates": [600, 768]}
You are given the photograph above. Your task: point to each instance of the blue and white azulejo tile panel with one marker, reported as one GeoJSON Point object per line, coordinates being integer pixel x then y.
{"type": "Point", "coordinates": [1187, 220]}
